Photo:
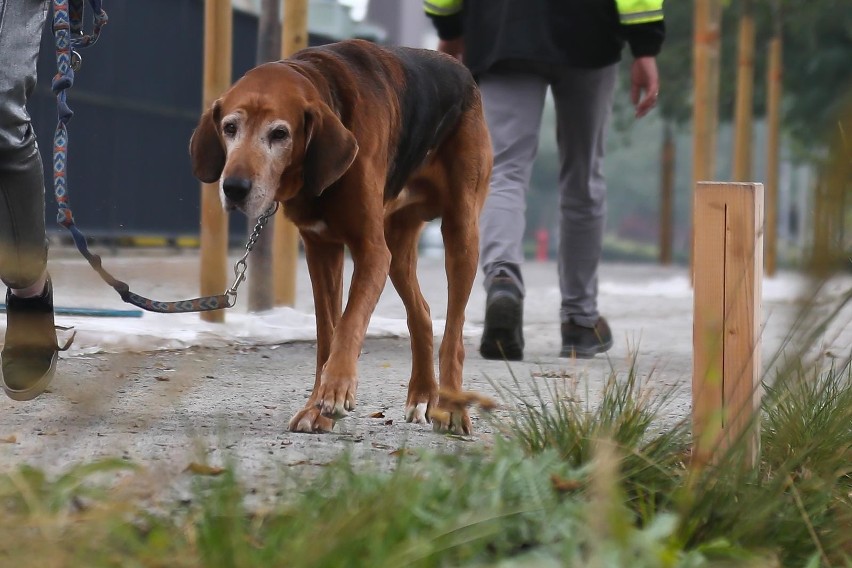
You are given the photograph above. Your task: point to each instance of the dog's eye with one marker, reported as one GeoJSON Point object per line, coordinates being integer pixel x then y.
{"type": "Point", "coordinates": [230, 129]}
{"type": "Point", "coordinates": [279, 134]}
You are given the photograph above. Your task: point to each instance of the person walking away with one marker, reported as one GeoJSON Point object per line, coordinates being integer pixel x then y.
{"type": "Point", "coordinates": [517, 50]}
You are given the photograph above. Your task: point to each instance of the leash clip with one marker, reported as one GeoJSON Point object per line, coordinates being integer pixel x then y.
{"type": "Point", "coordinates": [240, 276]}
{"type": "Point", "coordinates": [76, 61]}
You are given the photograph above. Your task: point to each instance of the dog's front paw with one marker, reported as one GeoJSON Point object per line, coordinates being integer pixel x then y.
{"type": "Point", "coordinates": [456, 421]}
{"type": "Point", "coordinates": [417, 413]}
{"type": "Point", "coordinates": [336, 397]}
{"type": "Point", "coordinates": [309, 420]}
{"type": "Point", "coordinates": [420, 402]}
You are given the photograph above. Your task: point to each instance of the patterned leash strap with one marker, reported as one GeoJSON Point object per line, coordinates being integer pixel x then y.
{"type": "Point", "coordinates": [69, 36]}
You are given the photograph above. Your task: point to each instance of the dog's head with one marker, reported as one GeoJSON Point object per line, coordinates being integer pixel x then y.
{"type": "Point", "coordinates": [269, 137]}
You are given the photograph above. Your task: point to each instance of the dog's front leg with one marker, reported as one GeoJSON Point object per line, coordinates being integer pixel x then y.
{"type": "Point", "coordinates": [325, 266]}
{"type": "Point", "coordinates": [339, 380]}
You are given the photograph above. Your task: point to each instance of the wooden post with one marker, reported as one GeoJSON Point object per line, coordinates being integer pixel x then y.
{"type": "Point", "coordinates": [727, 318]}
{"type": "Point", "coordinates": [705, 55]}
{"type": "Point", "coordinates": [261, 290]}
{"type": "Point", "coordinates": [773, 141]}
{"type": "Point", "coordinates": [218, 23]}
{"type": "Point", "coordinates": [744, 110]}
{"type": "Point", "coordinates": [294, 37]}
{"type": "Point", "coordinates": [667, 164]}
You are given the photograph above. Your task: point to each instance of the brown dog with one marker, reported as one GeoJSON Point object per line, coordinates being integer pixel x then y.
{"type": "Point", "coordinates": [362, 145]}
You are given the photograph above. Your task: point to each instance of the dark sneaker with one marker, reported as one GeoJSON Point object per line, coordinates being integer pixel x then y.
{"type": "Point", "coordinates": [30, 349]}
{"type": "Point", "coordinates": [503, 336]}
{"type": "Point", "coordinates": [585, 342]}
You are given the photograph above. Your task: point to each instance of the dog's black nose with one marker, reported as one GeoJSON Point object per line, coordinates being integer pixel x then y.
{"type": "Point", "coordinates": [236, 188]}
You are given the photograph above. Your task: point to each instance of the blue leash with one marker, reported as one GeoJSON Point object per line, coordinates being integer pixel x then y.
{"type": "Point", "coordinates": [68, 32]}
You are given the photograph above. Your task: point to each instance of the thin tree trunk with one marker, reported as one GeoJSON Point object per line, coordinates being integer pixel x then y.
{"type": "Point", "coordinates": [667, 167]}
{"type": "Point", "coordinates": [294, 36]}
{"type": "Point", "coordinates": [773, 140]}
{"type": "Point", "coordinates": [744, 113]}
{"type": "Point", "coordinates": [705, 118]}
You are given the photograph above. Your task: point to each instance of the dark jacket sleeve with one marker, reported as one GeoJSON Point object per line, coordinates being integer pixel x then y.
{"type": "Point", "coordinates": [645, 40]}
{"type": "Point", "coordinates": [448, 27]}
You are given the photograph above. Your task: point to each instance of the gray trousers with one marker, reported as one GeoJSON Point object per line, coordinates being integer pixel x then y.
{"type": "Point", "coordinates": [23, 246]}
{"type": "Point", "coordinates": [513, 105]}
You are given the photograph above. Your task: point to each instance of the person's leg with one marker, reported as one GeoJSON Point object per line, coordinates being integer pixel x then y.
{"type": "Point", "coordinates": [29, 347]}
{"type": "Point", "coordinates": [23, 249]}
{"type": "Point", "coordinates": [513, 106]}
{"type": "Point", "coordinates": [583, 99]}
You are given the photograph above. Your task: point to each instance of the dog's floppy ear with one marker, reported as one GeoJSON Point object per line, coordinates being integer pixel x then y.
{"type": "Point", "coordinates": [205, 146]}
{"type": "Point", "coordinates": [329, 149]}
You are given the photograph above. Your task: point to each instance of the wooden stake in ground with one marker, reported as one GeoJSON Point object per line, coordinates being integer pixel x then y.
{"type": "Point", "coordinates": [773, 140]}
{"type": "Point", "coordinates": [727, 318]}
{"type": "Point", "coordinates": [218, 24]}
{"type": "Point", "coordinates": [294, 37]}
{"type": "Point", "coordinates": [706, 36]}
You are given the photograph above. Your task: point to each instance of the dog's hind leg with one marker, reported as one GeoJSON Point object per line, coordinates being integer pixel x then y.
{"type": "Point", "coordinates": [402, 231]}
{"type": "Point", "coordinates": [325, 265]}
{"type": "Point", "coordinates": [468, 158]}
{"type": "Point", "coordinates": [461, 241]}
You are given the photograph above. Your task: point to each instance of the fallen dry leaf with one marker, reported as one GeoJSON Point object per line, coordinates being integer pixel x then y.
{"type": "Point", "coordinates": [562, 485]}
{"type": "Point", "coordinates": [161, 378]}
{"type": "Point", "coordinates": [402, 452]}
{"type": "Point", "coordinates": [9, 440]}
{"type": "Point", "coordinates": [204, 469]}
{"type": "Point", "coordinates": [308, 462]}
{"type": "Point", "coordinates": [552, 374]}
{"type": "Point", "coordinates": [378, 414]}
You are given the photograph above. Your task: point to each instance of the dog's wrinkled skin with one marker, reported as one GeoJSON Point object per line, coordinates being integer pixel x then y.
{"type": "Point", "coordinates": [362, 145]}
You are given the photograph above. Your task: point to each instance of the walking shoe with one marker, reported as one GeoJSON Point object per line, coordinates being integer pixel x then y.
{"type": "Point", "coordinates": [30, 349]}
{"type": "Point", "coordinates": [584, 342]}
{"type": "Point", "coordinates": [503, 336]}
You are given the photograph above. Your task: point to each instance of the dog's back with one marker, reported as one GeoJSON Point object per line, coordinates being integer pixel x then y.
{"type": "Point", "coordinates": [431, 91]}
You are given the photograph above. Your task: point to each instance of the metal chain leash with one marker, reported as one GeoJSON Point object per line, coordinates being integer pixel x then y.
{"type": "Point", "coordinates": [241, 265]}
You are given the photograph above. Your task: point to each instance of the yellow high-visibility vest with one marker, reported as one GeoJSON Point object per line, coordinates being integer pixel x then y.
{"type": "Point", "coordinates": [639, 11]}
{"type": "Point", "coordinates": [442, 7]}
{"type": "Point", "coordinates": [629, 11]}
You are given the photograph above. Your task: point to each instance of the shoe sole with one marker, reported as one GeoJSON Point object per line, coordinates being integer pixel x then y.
{"type": "Point", "coordinates": [574, 353]}
{"type": "Point", "coordinates": [35, 390]}
{"type": "Point", "coordinates": [502, 318]}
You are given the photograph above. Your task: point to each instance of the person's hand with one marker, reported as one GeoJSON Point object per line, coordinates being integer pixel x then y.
{"type": "Point", "coordinates": [454, 47]}
{"type": "Point", "coordinates": [644, 85]}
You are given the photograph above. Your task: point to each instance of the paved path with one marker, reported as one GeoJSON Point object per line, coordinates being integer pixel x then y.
{"type": "Point", "coordinates": [168, 408]}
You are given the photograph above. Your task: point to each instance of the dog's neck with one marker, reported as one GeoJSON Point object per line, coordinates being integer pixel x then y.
{"type": "Point", "coordinates": [300, 206]}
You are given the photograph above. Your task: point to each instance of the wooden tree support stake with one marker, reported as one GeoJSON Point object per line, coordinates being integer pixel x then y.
{"type": "Point", "coordinates": [726, 331]}
{"type": "Point", "coordinates": [218, 25]}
